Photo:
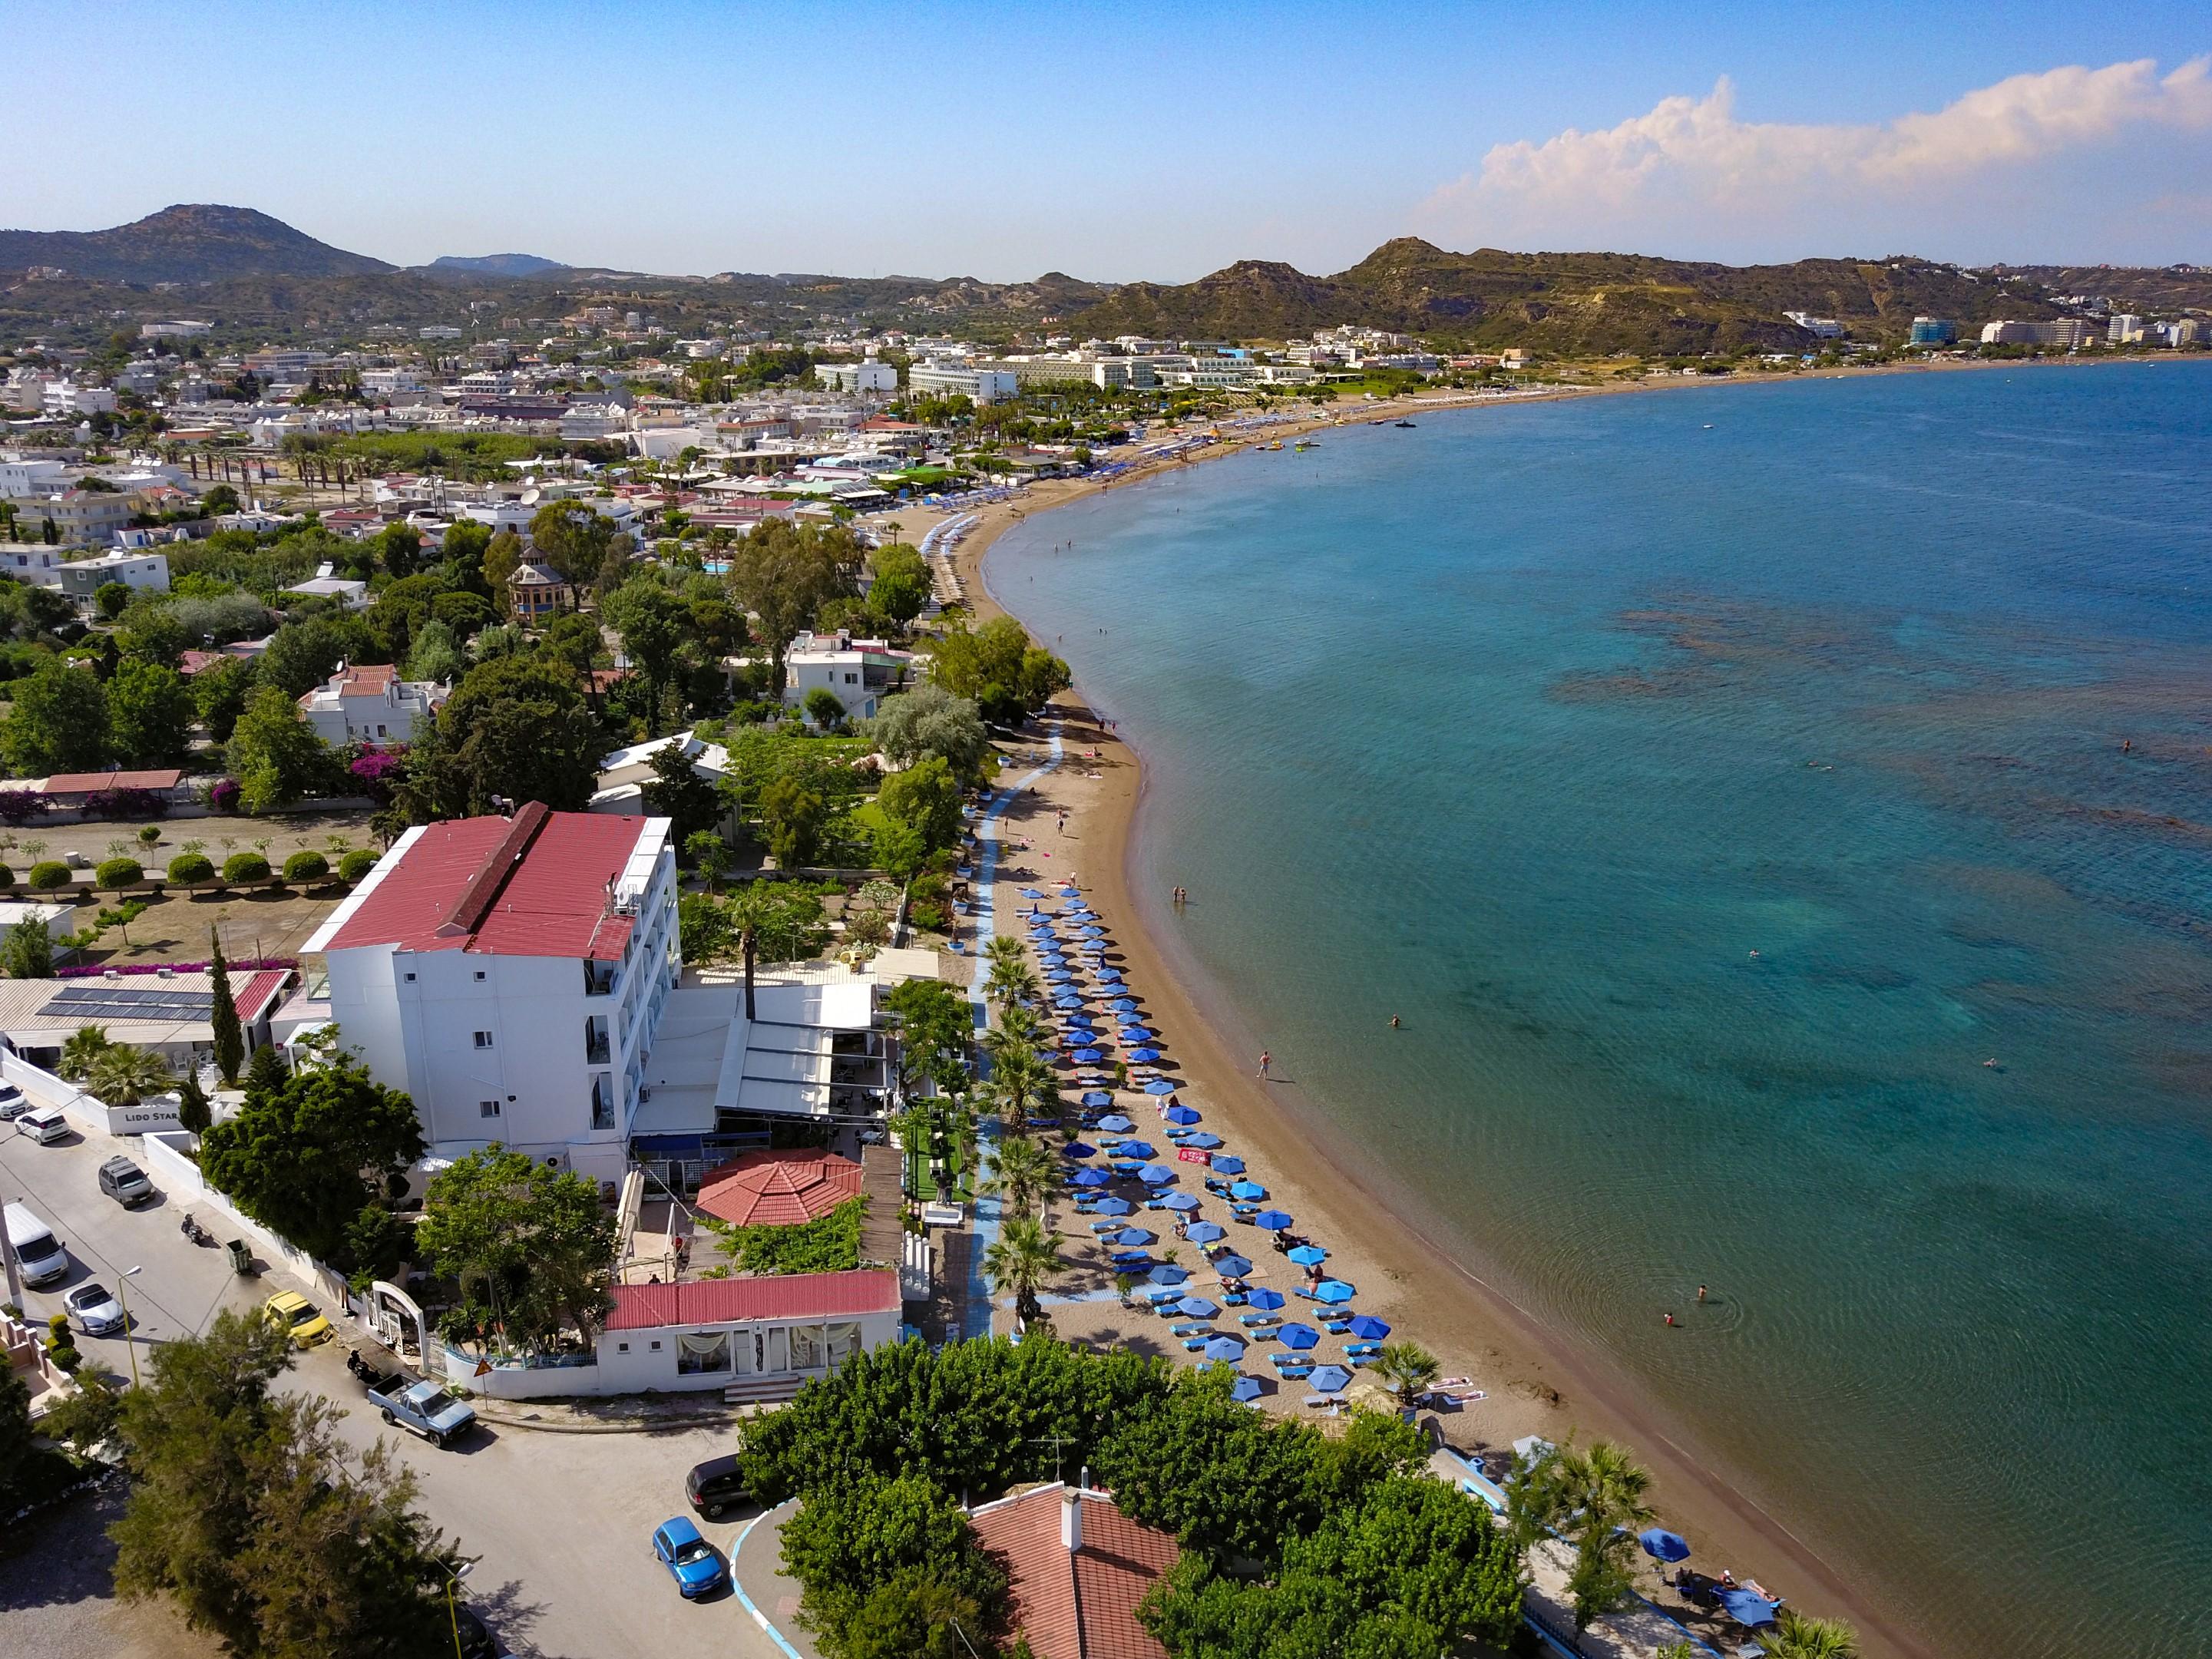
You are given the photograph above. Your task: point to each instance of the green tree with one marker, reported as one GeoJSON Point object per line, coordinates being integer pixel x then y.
{"type": "Point", "coordinates": [931, 720]}
{"type": "Point", "coordinates": [1019, 1260]}
{"type": "Point", "coordinates": [997, 666]}
{"type": "Point", "coordinates": [110, 598]}
{"type": "Point", "coordinates": [1023, 1173]}
{"type": "Point", "coordinates": [861, 1554]}
{"type": "Point", "coordinates": [219, 693]}
{"type": "Point", "coordinates": [150, 711]}
{"type": "Point", "coordinates": [274, 753]}
{"type": "Point", "coordinates": [677, 792]}
{"type": "Point", "coordinates": [305, 1156]}
{"type": "Point", "coordinates": [1796, 1637]}
{"type": "Point", "coordinates": [15, 1434]}
{"type": "Point", "coordinates": [27, 951]}
{"type": "Point", "coordinates": [502, 555]}
{"type": "Point", "coordinates": [516, 727]}
{"type": "Point", "coordinates": [588, 548]}
{"type": "Point", "coordinates": [925, 797]}
{"type": "Point", "coordinates": [58, 723]}
{"type": "Point", "coordinates": [398, 548]}
{"type": "Point", "coordinates": [710, 854]}
{"type": "Point", "coordinates": [900, 588]}
{"type": "Point", "coordinates": [1597, 1500]}
{"type": "Point", "coordinates": [783, 573]}
{"type": "Point", "coordinates": [81, 1050]}
{"type": "Point", "coordinates": [537, 1242]}
{"type": "Point", "coordinates": [435, 654]}
{"type": "Point", "coordinates": [193, 1112]}
{"type": "Point", "coordinates": [936, 1026]}
{"type": "Point", "coordinates": [302, 655]}
{"type": "Point", "coordinates": [1408, 1370]}
{"type": "Point", "coordinates": [124, 1074]}
{"type": "Point", "coordinates": [702, 928]}
{"type": "Point", "coordinates": [793, 817]}
{"type": "Point", "coordinates": [223, 1013]}
{"type": "Point", "coordinates": [653, 624]}
{"type": "Point", "coordinates": [824, 707]}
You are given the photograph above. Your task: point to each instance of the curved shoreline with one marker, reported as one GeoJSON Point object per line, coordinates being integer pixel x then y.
{"type": "Point", "coordinates": [1464, 1316]}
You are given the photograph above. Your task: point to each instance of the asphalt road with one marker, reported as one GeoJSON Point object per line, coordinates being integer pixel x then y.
{"type": "Point", "coordinates": [562, 1523]}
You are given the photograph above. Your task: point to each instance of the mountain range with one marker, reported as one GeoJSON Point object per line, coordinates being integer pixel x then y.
{"type": "Point", "coordinates": [259, 279]}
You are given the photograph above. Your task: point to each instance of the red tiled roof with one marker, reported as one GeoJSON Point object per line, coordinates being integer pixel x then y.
{"type": "Point", "coordinates": [1080, 1604]}
{"type": "Point", "coordinates": [534, 886]}
{"type": "Point", "coordinates": [777, 1295]}
{"type": "Point", "coordinates": [198, 662]}
{"type": "Point", "coordinates": [86, 783]}
{"type": "Point", "coordinates": [779, 1188]}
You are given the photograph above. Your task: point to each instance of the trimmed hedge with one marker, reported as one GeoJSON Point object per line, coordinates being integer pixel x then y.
{"type": "Point", "coordinates": [49, 875]}
{"type": "Point", "coordinates": [117, 874]}
{"type": "Point", "coordinates": [307, 865]}
{"type": "Point", "coordinates": [186, 868]}
{"type": "Point", "coordinates": [246, 867]}
{"type": "Point", "coordinates": [356, 865]}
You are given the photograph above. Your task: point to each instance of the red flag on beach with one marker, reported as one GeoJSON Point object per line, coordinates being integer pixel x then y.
{"type": "Point", "coordinates": [1193, 1155]}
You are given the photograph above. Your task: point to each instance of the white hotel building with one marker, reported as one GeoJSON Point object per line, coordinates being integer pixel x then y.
{"type": "Point", "coordinates": [509, 974]}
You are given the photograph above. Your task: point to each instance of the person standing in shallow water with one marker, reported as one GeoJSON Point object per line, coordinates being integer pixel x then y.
{"type": "Point", "coordinates": [1265, 1057]}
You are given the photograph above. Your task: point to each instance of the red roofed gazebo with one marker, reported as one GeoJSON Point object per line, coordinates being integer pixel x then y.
{"type": "Point", "coordinates": [779, 1188]}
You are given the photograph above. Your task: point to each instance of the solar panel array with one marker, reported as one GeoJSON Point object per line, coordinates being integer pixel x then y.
{"type": "Point", "coordinates": [108, 1001]}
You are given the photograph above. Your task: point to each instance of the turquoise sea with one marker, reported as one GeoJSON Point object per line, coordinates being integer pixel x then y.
{"type": "Point", "coordinates": [1712, 782]}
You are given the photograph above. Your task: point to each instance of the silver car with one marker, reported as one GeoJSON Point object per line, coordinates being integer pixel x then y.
{"type": "Point", "coordinates": [97, 1312]}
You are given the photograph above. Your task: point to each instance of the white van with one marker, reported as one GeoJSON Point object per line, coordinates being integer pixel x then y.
{"type": "Point", "coordinates": [44, 1124]}
{"type": "Point", "coordinates": [39, 1255]}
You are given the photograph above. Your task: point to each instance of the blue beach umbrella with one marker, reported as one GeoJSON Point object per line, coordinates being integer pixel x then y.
{"type": "Point", "coordinates": [1297, 1336]}
{"type": "Point", "coordinates": [1308, 1255]}
{"type": "Point", "coordinates": [1132, 1237]}
{"type": "Point", "coordinates": [1089, 1178]}
{"type": "Point", "coordinates": [1059, 977]}
{"type": "Point", "coordinates": [1182, 1201]}
{"type": "Point", "coordinates": [1031, 893]}
{"type": "Point", "coordinates": [1156, 1175]}
{"type": "Point", "coordinates": [1087, 1056]}
{"type": "Point", "coordinates": [1198, 1307]}
{"type": "Point", "coordinates": [1748, 1607]}
{"type": "Point", "coordinates": [1204, 1143]}
{"type": "Point", "coordinates": [1115, 1125]}
{"type": "Point", "coordinates": [1139, 1149]}
{"type": "Point", "coordinates": [1334, 1289]}
{"type": "Point", "coordinates": [1247, 1389]}
{"type": "Point", "coordinates": [1110, 976]}
{"type": "Point", "coordinates": [1265, 1300]}
{"type": "Point", "coordinates": [1068, 1000]}
{"type": "Point", "coordinates": [1078, 1149]}
{"type": "Point", "coordinates": [1144, 1056]}
{"type": "Point", "coordinates": [1069, 890]}
{"type": "Point", "coordinates": [1226, 1165]}
{"type": "Point", "coordinates": [1100, 1097]}
{"type": "Point", "coordinates": [1179, 1115]}
{"type": "Point", "coordinates": [1247, 1189]}
{"type": "Point", "coordinates": [1329, 1379]}
{"type": "Point", "coordinates": [1111, 1205]}
{"type": "Point", "coordinates": [1168, 1274]}
{"type": "Point", "coordinates": [1159, 1085]}
{"type": "Point", "coordinates": [1224, 1347]}
{"type": "Point", "coordinates": [1123, 1005]}
{"type": "Point", "coordinates": [1090, 932]}
{"type": "Point", "coordinates": [1202, 1233]}
{"type": "Point", "coordinates": [1272, 1221]}
{"type": "Point", "coordinates": [1231, 1266]}
{"type": "Point", "coordinates": [1137, 1030]}
{"type": "Point", "coordinates": [1368, 1328]}
{"type": "Point", "coordinates": [1661, 1544]}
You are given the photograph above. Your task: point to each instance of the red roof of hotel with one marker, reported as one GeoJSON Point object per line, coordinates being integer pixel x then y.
{"type": "Point", "coordinates": [532, 886]}
{"type": "Point", "coordinates": [775, 1296]}
{"type": "Point", "coordinates": [86, 783]}
{"type": "Point", "coordinates": [779, 1188]}
{"type": "Point", "coordinates": [1080, 1604]}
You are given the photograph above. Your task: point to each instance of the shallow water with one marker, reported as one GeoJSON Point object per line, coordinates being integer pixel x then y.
{"type": "Point", "coordinates": [1711, 805]}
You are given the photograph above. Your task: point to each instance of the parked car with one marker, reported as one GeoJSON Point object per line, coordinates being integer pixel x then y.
{"type": "Point", "coordinates": [690, 1559]}
{"type": "Point", "coordinates": [125, 1182]}
{"type": "Point", "coordinates": [95, 1309]}
{"type": "Point", "coordinates": [302, 1317]}
{"type": "Point", "coordinates": [715, 1486]}
{"type": "Point", "coordinates": [44, 1124]}
{"type": "Point", "coordinates": [410, 1402]}
{"type": "Point", "coordinates": [12, 1103]}
{"type": "Point", "coordinates": [39, 1257]}
{"type": "Point", "coordinates": [477, 1640]}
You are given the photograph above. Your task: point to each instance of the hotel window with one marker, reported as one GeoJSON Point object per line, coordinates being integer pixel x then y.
{"type": "Point", "coordinates": [698, 1352]}
{"type": "Point", "coordinates": [484, 1039]}
{"type": "Point", "coordinates": [480, 974]}
{"type": "Point", "coordinates": [806, 1348]}
{"type": "Point", "coordinates": [487, 1108]}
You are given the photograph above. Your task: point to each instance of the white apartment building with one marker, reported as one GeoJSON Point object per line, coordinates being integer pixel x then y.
{"type": "Point", "coordinates": [2124, 328]}
{"type": "Point", "coordinates": [68, 397]}
{"type": "Point", "coordinates": [1821, 328]}
{"type": "Point", "coordinates": [371, 704]}
{"type": "Point", "coordinates": [980, 386]}
{"type": "Point", "coordinates": [19, 476]}
{"type": "Point", "coordinates": [858, 673]}
{"type": "Point", "coordinates": [389, 382]}
{"type": "Point", "coordinates": [509, 974]}
{"type": "Point", "coordinates": [870, 376]}
{"type": "Point", "coordinates": [80, 579]}
{"type": "Point", "coordinates": [2067, 331]}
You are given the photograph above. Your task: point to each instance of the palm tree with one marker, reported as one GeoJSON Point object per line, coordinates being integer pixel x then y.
{"type": "Point", "coordinates": [1023, 1173]}
{"type": "Point", "coordinates": [1795, 1636]}
{"type": "Point", "coordinates": [1022, 1082]}
{"type": "Point", "coordinates": [1407, 1368]}
{"type": "Point", "coordinates": [1010, 982]}
{"type": "Point", "coordinates": [122, 1075]}
{"type": "Point", "coordinates": [751, 911]}
{"type": "Point", "coordinates": [86, 1045]}
{"type": "Point", "coordinates": [1595, 1500]}
{"type": "Point", "coordinates": [1024, 1254]}
{"type": "Point", "coordinates": [1005, 950]}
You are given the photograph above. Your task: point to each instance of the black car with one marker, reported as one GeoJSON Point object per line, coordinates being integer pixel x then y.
{"type": "Point", "coordinates": [477, 1641]}
{"type": "Point", "coordinates": [125, 1182]}
{"type": "Point", "coordinates": [715, 1486]}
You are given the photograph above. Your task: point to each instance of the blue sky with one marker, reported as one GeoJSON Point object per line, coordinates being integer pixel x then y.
{"type": "Point", "coordinates": [1125, 141]}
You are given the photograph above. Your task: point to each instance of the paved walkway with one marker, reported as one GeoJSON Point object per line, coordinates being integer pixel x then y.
{"type": "Point", "coordinates": [762, 1590]}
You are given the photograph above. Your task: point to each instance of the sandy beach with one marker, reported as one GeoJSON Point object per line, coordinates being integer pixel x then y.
{"type": "Point", "coordinates": [1536, 1380]}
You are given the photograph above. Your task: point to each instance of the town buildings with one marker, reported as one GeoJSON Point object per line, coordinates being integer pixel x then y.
{"type": "Point", "coordinates": [80, 579]}
{"type": "Point", "coordinates": [370, 703]}
{"type": "Point", "coordinates": [1077, 1570]}
{"type": "Point", "coordinates": [858, 673]}
{"type": "Point", "coordinates": [2070, 332]}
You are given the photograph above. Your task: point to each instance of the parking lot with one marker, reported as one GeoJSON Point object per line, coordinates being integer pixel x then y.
{"type": "Point", "coordinates": [560, 1522]}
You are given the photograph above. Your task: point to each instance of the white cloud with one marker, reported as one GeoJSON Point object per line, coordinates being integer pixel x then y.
{"type": "Point", "coordinates": [1693, 154]}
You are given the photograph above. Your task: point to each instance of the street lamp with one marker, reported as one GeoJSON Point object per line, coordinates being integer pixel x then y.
{"type": "Point", "coordinates": [129, 1345]}
{"type": "Point", "coordinates": [453, 1577]}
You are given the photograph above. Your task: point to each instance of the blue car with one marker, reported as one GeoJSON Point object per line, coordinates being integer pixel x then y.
{"type": "Point", "coordinates": [689, 1559]}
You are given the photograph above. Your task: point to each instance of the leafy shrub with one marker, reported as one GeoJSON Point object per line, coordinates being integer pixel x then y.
{"type": "Point", "coordinates": [188, 867]}
{"type": "Point", "coordinates": [930, 918]}
{"type": "Point", "coordinates": [356, 865]}
{"type": "Point", "coordinates": [150, 835]}
{"type": "Point", "coordinates": [222, 795]}
{"type": "Point", "coordinates": [7, 877]}
{"type": "Point", "coordinates": [66, 1358]}
{"type": "Point", "coordinates": [125, 804]}
{"type": "Point", "coordinates": [49, 875]}
{"type": "Point", "coordinates": [115, 873]}
{"type": "Point", "coordinates": [246, 867]}
{"type": "Point", "coordinates": [306, 864]}
{"type": "Point", "coordinates": [19, 805]}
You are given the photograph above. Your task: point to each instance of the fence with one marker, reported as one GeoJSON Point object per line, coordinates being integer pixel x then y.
{"type": "Point", "coordinates": [89, 1111]}
{"type": "Point", "coordinates": [168, 1161]}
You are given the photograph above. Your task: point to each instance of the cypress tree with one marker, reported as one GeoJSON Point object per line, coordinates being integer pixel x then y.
{"type": "Point", "coordinates": [192, 1103]}
{"type": "Point", "coordinates": [230, 1038]}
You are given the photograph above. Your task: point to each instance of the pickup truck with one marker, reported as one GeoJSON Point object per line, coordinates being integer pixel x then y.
{"type": "Point", "coordinates": [410, 1402]}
